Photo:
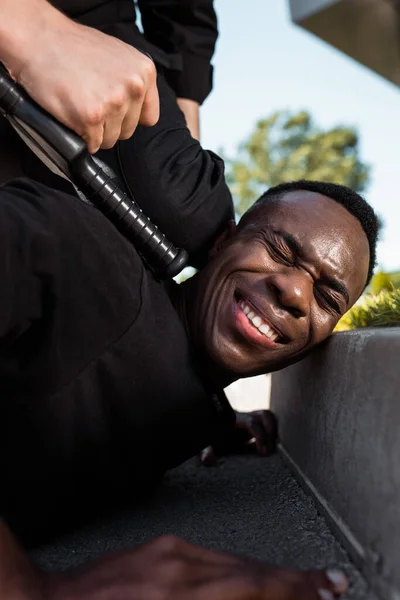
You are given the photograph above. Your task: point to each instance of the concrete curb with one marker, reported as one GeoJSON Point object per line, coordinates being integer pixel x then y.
{"type": "Point", "coordinates": [339, 414]}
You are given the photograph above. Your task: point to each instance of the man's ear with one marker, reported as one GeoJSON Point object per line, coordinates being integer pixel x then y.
{"type": "Point", "coordinates": [225, 235]}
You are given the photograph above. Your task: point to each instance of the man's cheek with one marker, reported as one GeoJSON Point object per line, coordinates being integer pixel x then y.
{"type": "Point", "coordinates": [323, 330]}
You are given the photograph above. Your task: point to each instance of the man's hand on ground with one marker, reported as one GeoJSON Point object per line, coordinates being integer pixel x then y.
{"type": "Point", "coordinates": [95, 84]}
{"type": "Point", "coordinates": [173, 569]}
{"type": "Point", "coordinates": [254, 431]}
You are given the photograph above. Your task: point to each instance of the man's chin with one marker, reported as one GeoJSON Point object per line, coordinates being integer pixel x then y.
{"type": "Point", "coordinates": [239, 366]}
{"type": "Point", "coordinates": [236, 366]}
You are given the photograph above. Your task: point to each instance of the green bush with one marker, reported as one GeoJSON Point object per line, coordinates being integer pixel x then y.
{"type": "Point", "coordinates": [395, 279]}
{"type": "Point", "coordinates": [380, 282]}
{"type": "Point", "coordinates": [381, 310]}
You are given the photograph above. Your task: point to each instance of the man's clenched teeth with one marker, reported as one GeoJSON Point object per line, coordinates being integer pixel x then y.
{"type": "Point", "coordinates": [258, 322]}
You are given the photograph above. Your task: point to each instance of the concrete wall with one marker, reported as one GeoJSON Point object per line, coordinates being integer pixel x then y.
{"type": "Point", "coordinates": [339, 413]}
{"type": "Point", "coordinates": [366, 30]}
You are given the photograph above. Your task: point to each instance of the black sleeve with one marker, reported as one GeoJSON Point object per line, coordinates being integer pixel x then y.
{"type": "Point", "coordinates": [177, 183]}
{"type": "Point", "coordinates": [190, 29]}
{"type": "Point", "coordinates": [59, 259]}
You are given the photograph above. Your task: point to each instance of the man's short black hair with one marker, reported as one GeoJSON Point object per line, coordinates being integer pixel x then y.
{"type": "Point", "coordinates": [351, 200]}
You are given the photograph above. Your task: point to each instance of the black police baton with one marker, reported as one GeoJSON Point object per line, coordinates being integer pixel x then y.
{"type": "Point", "coordinates": [66, 154]}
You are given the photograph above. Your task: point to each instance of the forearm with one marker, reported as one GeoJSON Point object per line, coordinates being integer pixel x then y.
{"type": "Point", "coordinates": [191, 111]}
{"type": "Point", "coordinates": [19, 580]}
{"type": "Point", "coordinates": [22, 24]}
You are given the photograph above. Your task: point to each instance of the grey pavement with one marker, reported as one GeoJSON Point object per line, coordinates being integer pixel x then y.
{"type": "Point", "coordinates": [246, 505]}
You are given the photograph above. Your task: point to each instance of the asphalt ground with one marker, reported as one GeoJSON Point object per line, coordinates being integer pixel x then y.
{"type": "Point", "coordinates": [247, 505]}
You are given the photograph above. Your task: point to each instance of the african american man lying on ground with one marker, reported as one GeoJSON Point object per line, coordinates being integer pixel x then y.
{"type": "Point", "coordinates": [109, 377]}
{"type": "Point", "coordinates": [273, 288]}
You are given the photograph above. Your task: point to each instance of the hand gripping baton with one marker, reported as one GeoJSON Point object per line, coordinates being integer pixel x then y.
{"type": "Point", "coordinates": [66, 154]}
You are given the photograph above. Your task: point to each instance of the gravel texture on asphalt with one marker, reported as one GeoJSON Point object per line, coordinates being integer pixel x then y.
{"type": "Point", "coordinates": [245, 505]}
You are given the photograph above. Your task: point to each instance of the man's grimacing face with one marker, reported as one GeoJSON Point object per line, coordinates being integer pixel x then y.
{"type": "Point", "coordinates": [298, 263]}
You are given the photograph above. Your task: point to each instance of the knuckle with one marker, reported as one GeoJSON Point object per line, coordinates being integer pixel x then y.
{"type": "Point", "coordinates": [168, 544]}
{"type": "Point", "coordinates": [149, 68]}
{"type": "Point", "coordinates": [136, 86]}
{"type": "Point", "coordinates": [173, 570]}
{"type": "Point", "coordinates": [118, 98]}
{"type": "Point", "coordinates": [94, 116]}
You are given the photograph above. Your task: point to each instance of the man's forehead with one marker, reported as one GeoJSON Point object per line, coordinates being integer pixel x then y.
{"type": "Point", "coordinates": [310, 204]}
{"type": "Point", "coordinates": [307, 212]}
{"type": "Point", "coordinates": [327, 232]}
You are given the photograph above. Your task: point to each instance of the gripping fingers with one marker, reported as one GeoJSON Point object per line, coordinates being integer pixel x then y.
{"type": "Point", "coordinates": [136, 102]}
{"type": "Point", "coordinates": [113, 127]}
{"type": "Point", "coordinates": [144, 103]}
{"type": "Point", "coordinates": [151, 105]}
{"type": "Point", "coordinates": [93, 137]}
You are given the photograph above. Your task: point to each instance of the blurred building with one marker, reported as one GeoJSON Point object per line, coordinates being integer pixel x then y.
{"type": "Point", "coordinates": [366, 30]}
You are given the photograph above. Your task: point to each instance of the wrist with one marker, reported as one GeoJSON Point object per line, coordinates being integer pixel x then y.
{"type": "Point", "coordinates": [191, 111]}
{"type": "Point", "coordinates": [24, 26]}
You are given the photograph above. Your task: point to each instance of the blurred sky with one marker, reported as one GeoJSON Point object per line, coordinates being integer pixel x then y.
{"type": "Point", "coordinates": [264, 63]}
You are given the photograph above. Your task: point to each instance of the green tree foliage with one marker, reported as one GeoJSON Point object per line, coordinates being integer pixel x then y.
{"type": "Point", "coordinates": [287, 147]}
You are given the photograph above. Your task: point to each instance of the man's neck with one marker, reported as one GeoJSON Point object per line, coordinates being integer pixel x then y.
{"type": "Point", "coordinates": [185, 301]}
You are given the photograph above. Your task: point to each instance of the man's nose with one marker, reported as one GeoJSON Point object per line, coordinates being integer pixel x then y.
{"type": "Point", "coordinates": [294, 291]}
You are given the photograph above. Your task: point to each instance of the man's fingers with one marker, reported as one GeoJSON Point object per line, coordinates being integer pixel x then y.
{"type": "Point", "coordinates": [289, 584]}
{"type": "Point", "coordinates": [333, 580]}
{"type": "Point", "coordinates": [170, 567]}
{"type": "Point", "coordinates": [232, 579]}
{"type": "Point", "coordinates": [121, 122]}
{"type": "Point", "coordinates": [330, 584]}
{"type": "Point", "coordinates": [257, 431]}
{"type": "Point", "coordinates": [130, 121]}
{"type": "Point", "coordinates": [262, 426]}
{"type": "Point", "coordinates": [144, 108]}
{"type": "Point", "coordinates": [207, 456]}
{"type": "Point", "coordinates": [102, 98]}
{"type": "Point", "coordinates": [197, 556]}
{"type": "Point", "coordinates": [94, 138]}
{"type": "Point", "coordinates": [150, 112]}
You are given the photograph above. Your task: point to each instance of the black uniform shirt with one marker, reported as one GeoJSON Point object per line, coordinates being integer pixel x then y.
{"type": "Point", "coordinates": [180, 36]}
{"type": "Point", "coordinates": [98, 385]}
{"type": "Point", "coordinates": [99, 390]}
